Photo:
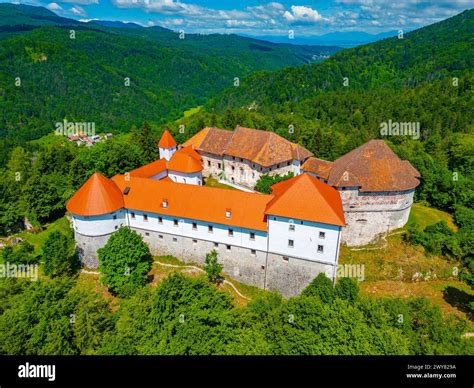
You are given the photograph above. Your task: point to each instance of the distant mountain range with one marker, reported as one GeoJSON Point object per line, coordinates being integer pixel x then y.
{"type": "Point", "coordinates": [83, 79]}
{"type": "Point", "coordinates": [341, 39]}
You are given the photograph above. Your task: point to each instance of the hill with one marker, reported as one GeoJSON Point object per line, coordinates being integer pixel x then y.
{"type": "Point", "coordinates": [433, 52]}
{"type": "Point", "coordinates": [83, 79]}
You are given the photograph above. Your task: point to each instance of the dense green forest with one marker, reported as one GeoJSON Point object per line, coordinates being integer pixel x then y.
{"type": "Point", "coordinates": [426, 77]}
{"type": "Point", "coordinates": [115, 77]}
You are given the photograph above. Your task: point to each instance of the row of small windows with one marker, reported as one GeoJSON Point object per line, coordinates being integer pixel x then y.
{"type": "Point", "coordinates": [291, 244]}
{"type": "Point", "coordinates": [259, 168]}
{"type": "Point", "coordinates": [210, 228]}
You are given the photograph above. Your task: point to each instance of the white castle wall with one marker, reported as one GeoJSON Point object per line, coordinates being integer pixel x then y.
{"type": "Point", "coordinates": [99, 225]}
{"type": "Point", "coordinates": [167, 153]}
{"type": "Point", "coordinates": [305, 237]}
{"type": "Point", "coordinates": [368, 215]}
{"type": "Point", "coordinates": [220, 233]}
{"type": "Point", "coordinates": [194, 178]}
{"type": "Point", "coordinates": [245, 257]}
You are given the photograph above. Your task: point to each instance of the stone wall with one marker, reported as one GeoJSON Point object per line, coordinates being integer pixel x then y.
{"type": "Point", "coordinates": [87, 246]}
{"type": "Point", "coordinates": [270, 271]}
{"type": "Point", "coordinates": [292, 276]}
{"type": "Point", "coordinates": [370, 215]}
{"type": "Point", "coordinates": [210, 165]}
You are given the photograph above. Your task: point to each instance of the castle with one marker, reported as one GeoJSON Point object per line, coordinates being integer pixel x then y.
{"type": "Point", "coordinates": [279, 241]}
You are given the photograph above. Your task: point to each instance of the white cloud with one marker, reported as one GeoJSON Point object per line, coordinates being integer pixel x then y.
{"type": "Point", "coordinates": [78, 11]}
{"type": "Point", "coordinates": [81, 2]}
{"type": "Point", "coordinates": [302, 14]}
{"type": "Point", "coordinates": [54, 7]}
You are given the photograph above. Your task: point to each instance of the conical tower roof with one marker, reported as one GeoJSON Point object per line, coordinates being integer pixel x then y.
{"type": "Point", "coordinates": [97, 196]}
{"type": "Point", "coordinates": [166, 140]}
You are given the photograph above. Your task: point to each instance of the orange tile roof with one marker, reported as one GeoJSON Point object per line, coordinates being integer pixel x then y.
{"type": "Point", "coordinates": [317, 166]}
{"type": "Point", "coordinates": [304, 197]}
{"type": "Point", "coordinates": [97, 196]}
{"type": "Point", "coordinates": [210, 140]}
{"type": "Point", "coordinates": [262, 147]}
{"type": "Point", "coordinates": [150, 169]}
{"type": "Point", "coordinates": [196, 202]}
{"type": "Point", "coordinates": [373, 167]}
{"type": "Point", "coordinates": [183, 162]}
{"type": "Point", "coordinates": [189, 150]}
{"type": "Point", "coordinates": [166, 140]}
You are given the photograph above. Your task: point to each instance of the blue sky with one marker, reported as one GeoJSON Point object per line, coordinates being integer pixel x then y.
{"type": "Point", "coordinates": [259, 17]}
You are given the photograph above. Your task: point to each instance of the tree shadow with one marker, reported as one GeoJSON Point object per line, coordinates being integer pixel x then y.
{"type": "Point", "coordinates": [460, 299]}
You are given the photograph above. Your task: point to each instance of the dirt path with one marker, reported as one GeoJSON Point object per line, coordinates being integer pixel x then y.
{"type": "Point", "coordinates": [200, 270]}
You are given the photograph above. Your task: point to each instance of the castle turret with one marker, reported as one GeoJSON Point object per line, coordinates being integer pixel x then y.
{"type": "Point", "coordinates": [167, 145]}
{"type": "Point", "coordinates": [97, 210]}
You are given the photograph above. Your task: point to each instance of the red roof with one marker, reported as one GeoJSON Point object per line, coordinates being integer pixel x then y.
{"type": "Point", "coordinates": [150, 169]}
{"type": "Point", "coordinates": [304, 197]}
{"type": "Point", "coordinates": [183, 162]}
{"type": "Point", "coordinates": [373, 167]}
{"type": "Point", "coordinates": [195, 202]}
{"type": "Point", "coordinates": [97, 196]}
{"type": "Point", "coordinates": [166, 140]}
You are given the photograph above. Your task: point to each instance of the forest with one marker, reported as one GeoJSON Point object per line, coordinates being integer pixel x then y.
{"type": "Point", "coordinates": [329, 107]}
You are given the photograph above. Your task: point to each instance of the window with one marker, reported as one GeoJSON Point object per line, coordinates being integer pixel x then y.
{"type": "Point", "coordinates": [291, 228]}
{"type": "Point", "coordinates": [147, 234]}
{"type": "Point", "coordinates": [175, 239]}
{"type": "Point", "coordinates": [145, 218]}
{"type": "Point", "coordinates": [253, 252]}
{"type": "Point", "coordinates": [160, 220]}
{"type": "Point", "coordinates": [231, 232]}
{"type": "Point", "coordinates": [286, 258]}
{"type": "Point", "coordinates": [278, 166]}
{"type": "Point", "coordinates": [252, 236]}
{"type": "Point", "coordinates": [219, 165]}
{"type": "Point", "coordinates": [322, 234]}
{"type": "Point", "coordinates": [209, 163]}
{"type": "Point", "coordinates": [115, 217]}
{"type": "Point", "coordinates": [233, 168]}
{"type": "Point", "coordinates": [133, 215]}
{"type": "Point", "coordinates": [160, 236]}
{"type": "Point", "coordinates": [320, 249]}
{"type": "Point", "coordinates": [216, 245]}
{"type": "Point", "coordinates": [241, 160]}
{"type": "Point", "coordinates": [195, 241]}
{"type": "Point", "coordinates": [291, 243]}
{"type": "Point", "coordinates": [116, 227]}
{"type": "Point", "coordinates": [195, 226]}
{"type": "Point", "coordinates": [263, 267]}
{"type": "Point", "coordinates": [210, 228]}
{"type": "Point", "coordinates": [175, 222]}
{"type": "Point", "coordinates": [228, 248]}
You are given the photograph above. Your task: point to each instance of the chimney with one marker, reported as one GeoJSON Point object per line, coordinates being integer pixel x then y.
{"type": "Point", "coordinates": [165, 203]}
{"type": "Point", "coordinates": [228, 213]}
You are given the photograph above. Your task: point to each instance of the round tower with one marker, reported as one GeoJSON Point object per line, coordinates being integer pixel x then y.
{"type": "Point", "coordinates": [97, 210]}
{"type": "Point", "coordinates": [167, 145]}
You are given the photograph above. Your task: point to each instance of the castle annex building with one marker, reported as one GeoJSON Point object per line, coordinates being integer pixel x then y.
{"type": "Point", "coordinates": [376, 189]}
{"type": "Point", "coordinates": [279, 241]}
{"type": "Point", "coordinates": [242, 156]}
